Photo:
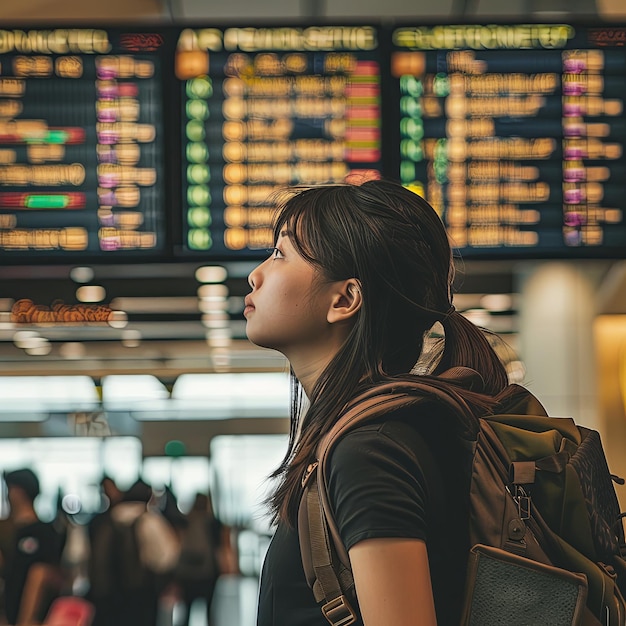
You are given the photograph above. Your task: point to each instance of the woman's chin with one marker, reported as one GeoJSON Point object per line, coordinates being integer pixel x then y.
{"type": "Point", "coordinates": [256, 338]}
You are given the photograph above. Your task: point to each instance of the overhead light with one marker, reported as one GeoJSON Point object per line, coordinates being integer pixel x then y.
{"type": "Point", "coordinates": [82, 274]}
{"type": "Point", "coordinates": [220, 342]}
{"type": "Point", "coordinates": [212, 305]}
{"type": "Point", "coordinates": [212, 291]}
{"type": "Point", "coordinates": [211, 274]}
{"type": "Point", "coordinates": [480, 317]}
{"type": "Point", "coordinates": [91, 293]}
{"type": "Point", "coordinates": [26, 338]}
{"type": "Point", "coordinates": [40, 347]}
{"type": "Point", "coordinates": [497, 302]}
{"type": "Point", "coordinates": [516, 371]}
{"type": "Point", "coordinates": [118, 319]}
{"type": "Point", "coordinates": [216, 319]}
{"type": "Point", "coordinates": [219, 337]}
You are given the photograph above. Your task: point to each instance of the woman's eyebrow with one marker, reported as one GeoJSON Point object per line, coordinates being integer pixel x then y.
{"type": "Point", "coordinates": [286, 233]}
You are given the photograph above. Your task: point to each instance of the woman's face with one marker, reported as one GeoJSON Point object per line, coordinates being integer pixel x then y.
{"type": "Point", "coordinates": [287, 308]}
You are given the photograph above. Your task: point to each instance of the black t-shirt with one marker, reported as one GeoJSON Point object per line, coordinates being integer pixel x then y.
{"type": "Point", "coordinates": [396, 478]}
{"type": "Point", "coordinates": [38, 542]}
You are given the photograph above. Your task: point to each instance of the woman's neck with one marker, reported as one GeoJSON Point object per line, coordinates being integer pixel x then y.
{"type": "Point", "coordinates": [308, 361]}
{"type": "Point", "coordinates": [308, 370]}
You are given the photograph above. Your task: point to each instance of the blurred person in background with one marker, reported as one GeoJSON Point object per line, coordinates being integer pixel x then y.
{"type": "Point", "coordinates": [134, 550]}
{"type": "Point", "coordinates": [31, 565]}
{"type": "Point", "coordinates": [100, 572]}
{"type": "Point", "coordinates": [199, 565]}
{"type": "Point", "coordinates": [121, 588]}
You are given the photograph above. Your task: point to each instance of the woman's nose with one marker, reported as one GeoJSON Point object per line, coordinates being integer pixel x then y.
{"type": "Point", "coordinates": [252, 277]}
{"type": "Point", "coordinates": [255, 276]}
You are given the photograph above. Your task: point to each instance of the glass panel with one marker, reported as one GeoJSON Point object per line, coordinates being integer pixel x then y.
{"type": "Point", "coordinates": [25, 396]}
{"type": "Point", "coordinates": [220, 396]}
{"type": "Point", "coordinates": [71, 467]}
{"type": "Point", "coordinates": [241, 466]}
{"type": "Point", "coordinates": [127, 393]}
{"type": "Point", "coordinates": [186, 476]}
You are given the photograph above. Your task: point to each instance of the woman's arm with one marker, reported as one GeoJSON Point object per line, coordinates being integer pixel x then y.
{"type": "Point", "coordinates": [392, 580]}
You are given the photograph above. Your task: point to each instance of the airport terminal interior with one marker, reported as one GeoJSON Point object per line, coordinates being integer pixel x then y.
{"type": "Point", "coordinates": [139, 143]}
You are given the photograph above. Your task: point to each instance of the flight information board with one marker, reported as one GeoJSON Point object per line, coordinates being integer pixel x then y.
{"type": "Point", "coordinates": [515, 134]}
{"type": "Point", "coordinates": [266, 108]}
{"type": "Point", "coordinates": [81, 154]}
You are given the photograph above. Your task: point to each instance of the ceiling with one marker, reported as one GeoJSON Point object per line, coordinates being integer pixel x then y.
{"type": "Point", "coordinates": [79, 9]}
{"type": "Point", "coordinates": [163, 333]}
{"type": "Point", "coordinates": [169, 10]}
{"type": "Point", "coordinates": [170, 329]}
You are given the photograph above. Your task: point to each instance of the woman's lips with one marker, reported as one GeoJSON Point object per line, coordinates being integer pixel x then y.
{"type": "Point", "coordinates": [248, 306]}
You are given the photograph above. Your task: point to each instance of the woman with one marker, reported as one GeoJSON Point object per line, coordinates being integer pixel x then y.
{"type": "Point", "coordinates": [357, 278]}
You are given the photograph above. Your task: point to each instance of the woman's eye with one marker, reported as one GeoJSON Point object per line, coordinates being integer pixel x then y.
{"type": "Point", "coordinates": [275, 253]}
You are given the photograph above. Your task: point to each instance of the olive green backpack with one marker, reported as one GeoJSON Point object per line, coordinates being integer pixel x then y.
{"type": "Point", "coordinates": [545, 525]}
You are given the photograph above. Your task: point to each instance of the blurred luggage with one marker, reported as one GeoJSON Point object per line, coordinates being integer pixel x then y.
{"type": "Point", "coordinates": [70, 611]}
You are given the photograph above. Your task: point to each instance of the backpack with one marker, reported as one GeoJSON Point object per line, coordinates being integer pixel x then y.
{"type": "Point", "coordinates": [144, 543]}
{"type": "Point", "coordinates": [157, 541]}
{"type": "Point", "coordinates": [198, 553]}
{"type": "Point", "coordinates": [545, 526]}
{"type": "Point", "coordinates": [128, 573]}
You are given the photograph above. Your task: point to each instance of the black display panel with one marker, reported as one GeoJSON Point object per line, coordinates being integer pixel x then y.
{"type": "Point", "coordinates": [515, 134]}
{"type": "Point", "coordinates": [265, 108]}
{"type": "Point", "coordinates": [81, 143]}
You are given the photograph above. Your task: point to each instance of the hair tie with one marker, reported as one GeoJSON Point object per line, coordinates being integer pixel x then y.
{"type": "Point", "coordinates": [444, 316]}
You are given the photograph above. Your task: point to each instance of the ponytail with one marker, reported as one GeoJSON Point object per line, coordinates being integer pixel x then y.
{"type": "Point", "coordinates": [467, 345]}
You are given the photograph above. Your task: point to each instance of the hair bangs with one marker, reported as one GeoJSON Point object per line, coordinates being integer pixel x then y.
{"type": "Point", "coordinates": [303, 213]}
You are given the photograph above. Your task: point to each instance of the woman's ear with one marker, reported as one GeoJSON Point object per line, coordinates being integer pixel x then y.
{"type": "Point", "coordinates": [346, 301]}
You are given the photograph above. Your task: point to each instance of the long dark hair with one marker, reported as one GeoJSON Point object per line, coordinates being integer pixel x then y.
{"type": "Point", "coordinates": [393, 242]}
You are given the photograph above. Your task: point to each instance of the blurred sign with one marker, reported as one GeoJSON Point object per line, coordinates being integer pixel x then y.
{"type": "Point", "coordinates": [81, 143]}
{"type": "Point", "coordinates": [515, 134]}
{"type": "Point", "coordinates": [266, 108]}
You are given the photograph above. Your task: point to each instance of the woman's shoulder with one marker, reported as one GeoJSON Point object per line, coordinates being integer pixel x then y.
{"type": "Point", "coordinates": [401, 433]}
{"type": "Point", "coordinates": [381, 468]}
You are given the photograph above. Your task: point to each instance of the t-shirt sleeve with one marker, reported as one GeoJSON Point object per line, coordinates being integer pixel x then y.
{"type": "Point", "coordinates": [378, 483]}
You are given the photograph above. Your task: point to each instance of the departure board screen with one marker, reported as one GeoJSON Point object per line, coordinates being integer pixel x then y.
{"type": "Point", "coordinates": [81, 154]}
{"type": "Point", "coordinates": [515, 134]}
{"type": "Point", "coordinates": [266, 108]}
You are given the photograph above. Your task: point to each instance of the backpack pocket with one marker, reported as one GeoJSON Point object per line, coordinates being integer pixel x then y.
{"type": "Point", "coordinates": [505, 588]}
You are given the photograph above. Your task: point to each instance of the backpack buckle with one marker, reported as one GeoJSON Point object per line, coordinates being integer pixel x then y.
{"type": "Point", "coordinates": [523, 502]}
{"type": "Point", "coordinates": [338, 612]}
{"type": "Point", "coordinates": [524, 507]}
{"type": "Point", "coordinates": [308, 472]}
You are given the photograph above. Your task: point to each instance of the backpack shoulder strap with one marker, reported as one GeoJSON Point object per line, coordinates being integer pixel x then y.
{"type": "Point", "coordinates": [324, 557]}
